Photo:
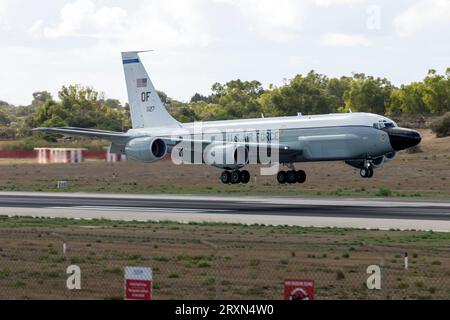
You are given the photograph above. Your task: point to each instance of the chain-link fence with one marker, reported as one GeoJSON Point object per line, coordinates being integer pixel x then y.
{"type": "Point", "coordinates": [216, 261]}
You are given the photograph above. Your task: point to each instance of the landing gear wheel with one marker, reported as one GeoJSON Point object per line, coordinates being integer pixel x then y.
{"type": "Point", "coordinates": [235, 177]}
{"type": "Point", "coordinates": [367, 172]}
{"type": "Point", "coordinates": [245, 177]}
{"type": "Point", "coordinates": [371, 172]}
{"type": "Point", "coordinates": [225, 177]}
{"type": "Point", "coordinates": [282, 177]}
{"type": "Point", "coordinates": [301, 176]}
{"type": "Point", "coordinates": [364, 172]}
{"type": "Point", "coordinates": [291, 176]}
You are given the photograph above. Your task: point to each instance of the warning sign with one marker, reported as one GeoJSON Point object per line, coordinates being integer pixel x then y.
{"type": "Point", "coordinates": [138, 283]}
{"type": "Point", "coordinates": [297, 289]}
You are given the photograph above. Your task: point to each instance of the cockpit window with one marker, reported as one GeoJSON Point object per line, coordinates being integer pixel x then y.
{"type": "Point", "coordinates": [382, 125]}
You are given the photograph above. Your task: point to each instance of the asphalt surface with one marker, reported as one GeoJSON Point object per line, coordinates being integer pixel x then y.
{"type": "Point", "coordinates": [287, 207]}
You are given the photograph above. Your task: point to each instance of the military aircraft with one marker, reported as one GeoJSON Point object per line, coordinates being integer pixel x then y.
{"type": "Point", "coordinates": [363, 140]}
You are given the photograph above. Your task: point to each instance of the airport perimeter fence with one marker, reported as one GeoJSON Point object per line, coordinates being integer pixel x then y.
{"type": "Point", "coordinates": [33, 265]}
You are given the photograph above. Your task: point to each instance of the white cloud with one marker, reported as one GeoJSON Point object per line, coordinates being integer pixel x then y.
{"type": "Point", "coordinates": [423, 15]}
{"type": "Point", "coordinates": [170, 23]}
{"type": "Point", "coordinates": [35, 29]}
{"type": "Point", "coordinates": [150, 23]}
{"type": "Point", "coordinates": [82, 43]}
{"type": "Point", "coordinates": [328, 3]}
{"type": "Point", "coordinates": [82, 18]}
{"type": "Point", "coordinates": [3, 15]}
{"type": "Point", "coordinates": [278, 20]}
{"type": "Point", "coordinates": [344, 40]}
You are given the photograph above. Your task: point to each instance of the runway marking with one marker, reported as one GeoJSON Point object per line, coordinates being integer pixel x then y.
{"type": "Point", "coordinates": [139, 209]}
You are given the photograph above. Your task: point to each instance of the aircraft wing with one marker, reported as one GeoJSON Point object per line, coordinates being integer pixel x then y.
{"type": "Point", "coordinates": [121, 139]}
{"type": "Point", "coordinates": [101, 134]}
{"type": "Point", "coordinates": [284, 149]}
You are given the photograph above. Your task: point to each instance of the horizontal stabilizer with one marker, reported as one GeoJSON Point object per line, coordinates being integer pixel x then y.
{"type": "Point", "coordinates": [101, 134]}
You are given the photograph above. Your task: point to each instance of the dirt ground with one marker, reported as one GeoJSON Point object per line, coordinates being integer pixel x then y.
{"type": "Point", "coordinates": [419, 175]}
{"type": "Point", "coordinates": [208, 261]}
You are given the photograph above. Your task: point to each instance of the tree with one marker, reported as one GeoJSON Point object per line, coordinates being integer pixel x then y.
{"type": "Point", "coordinates": [238, 98]}
{"type": "Point", "coordinates": [40, 97]}
{"type": "Point", "coordinates": [436, 93]}
{"type": "Point", "coordinates": [408, 100]}
{"type": "Point", "coordinates": [311, 94]}
{"type": "Point", "coordinates": [367, 94]}
{"type": "Point", "coordinates": [81, 107]}
{"type": "Point", "coordinates": [199, 97]}
{"type": "Point", "coordinates": [4, 118]}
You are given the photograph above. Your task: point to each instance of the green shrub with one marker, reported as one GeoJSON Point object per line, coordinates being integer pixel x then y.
{"type": "Point", "coordinates": [414, 150]}
{"type": "Point", "coordinates": [384, 192]}
{"type": "Point", "coordinates": [254, 262]}
{"type": "Point", "coordinates": [403, 286]}
{"type": "Point", "coordinates": [441, 126]}
{"type": "Point", "coordinates": [340, 275]}
{"type": "Point", "coordinates": [203, 264]}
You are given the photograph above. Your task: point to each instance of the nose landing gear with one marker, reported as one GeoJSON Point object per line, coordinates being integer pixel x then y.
{"type": "Point", "coordinates": [367, 171]}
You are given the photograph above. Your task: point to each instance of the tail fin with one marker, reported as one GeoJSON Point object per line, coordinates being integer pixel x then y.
{"type": "Point", "coordinates": [146, 107]}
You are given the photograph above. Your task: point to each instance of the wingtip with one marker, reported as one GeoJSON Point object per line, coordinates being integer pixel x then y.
{"type": "Point", "coordinates": [136, 52]}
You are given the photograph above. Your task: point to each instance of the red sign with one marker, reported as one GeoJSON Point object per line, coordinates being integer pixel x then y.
{"type": "Point", "coordinates": [138, 283]}
{"type": "Point", "coordinates": [297, 289]}
{"type": "Point", "coordinates": [138, 290]}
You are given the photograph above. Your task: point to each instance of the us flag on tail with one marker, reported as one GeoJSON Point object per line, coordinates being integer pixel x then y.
{"type": "Point", "coordinates": [141, 83]}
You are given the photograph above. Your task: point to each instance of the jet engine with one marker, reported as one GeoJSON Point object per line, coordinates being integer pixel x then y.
{"type": "Point", "coordinates": [226, 156]}
{"type": "Point", "coordinates": [378, 162]}
{"type": "Point", "coordinates": [146, 149]}
{"type": "Point", "coordinates": [390, 156]}
{"type": "Point", "coordinates": [358, 164]}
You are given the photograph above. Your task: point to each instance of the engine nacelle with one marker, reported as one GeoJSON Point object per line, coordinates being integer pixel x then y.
{"type": "Point", "coordinates": [146, 149]}
{"type": "Point", "coordinates": [390, 156]}
{"type": "Point", "coordinates": [358, 164]}
{"type": "Point", "coordinates": [378, 162]}
{"type": "Point", "coordinates": [226, 156]}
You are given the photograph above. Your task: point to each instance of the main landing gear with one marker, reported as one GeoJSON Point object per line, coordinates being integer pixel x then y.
{"type": "Point", "coordinates": [291, 177]}
{"type": "Point", "coordinates": [235, 177]}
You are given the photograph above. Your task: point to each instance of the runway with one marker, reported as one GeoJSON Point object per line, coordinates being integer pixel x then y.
{"type": "Point", "coordinates": [380, 213]}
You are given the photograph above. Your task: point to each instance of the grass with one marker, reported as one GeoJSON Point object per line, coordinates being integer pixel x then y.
{"type": "Point", "coordinates": [384, 192]}
{"type": "Point", "coordinates": [255, 259]}
{"type": "Point", "coordinates": [4, 273]}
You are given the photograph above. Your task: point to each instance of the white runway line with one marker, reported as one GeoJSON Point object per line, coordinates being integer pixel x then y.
{"type": "Point", "coordinates": [302, 200]}
{"type": "Point", "coordinates": [139, 209]}
{"type": "Point", "coordinates": [185, 217]}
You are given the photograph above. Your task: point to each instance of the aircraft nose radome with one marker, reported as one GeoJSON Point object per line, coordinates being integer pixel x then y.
{"type": "Point", "coordinates": [402, 139]}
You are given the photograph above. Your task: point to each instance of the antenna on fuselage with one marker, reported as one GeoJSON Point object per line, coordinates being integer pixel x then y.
{"type": "Point", "coordinates": [350, 110]}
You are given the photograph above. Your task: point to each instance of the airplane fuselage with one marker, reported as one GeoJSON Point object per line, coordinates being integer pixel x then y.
{"type": "Point", "coordinates": [331, 137]}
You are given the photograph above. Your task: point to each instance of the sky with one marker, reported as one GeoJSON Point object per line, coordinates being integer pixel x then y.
{"type": "Point", "coordinates": [46, 44]}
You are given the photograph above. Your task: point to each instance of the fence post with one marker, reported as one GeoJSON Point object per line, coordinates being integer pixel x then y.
{"type": "Point", "coordinates": [406, 261]}
{"type": "Point", "coordinates": [218, 266]}
{"type": "Point", "coordinates": [384, 283]}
